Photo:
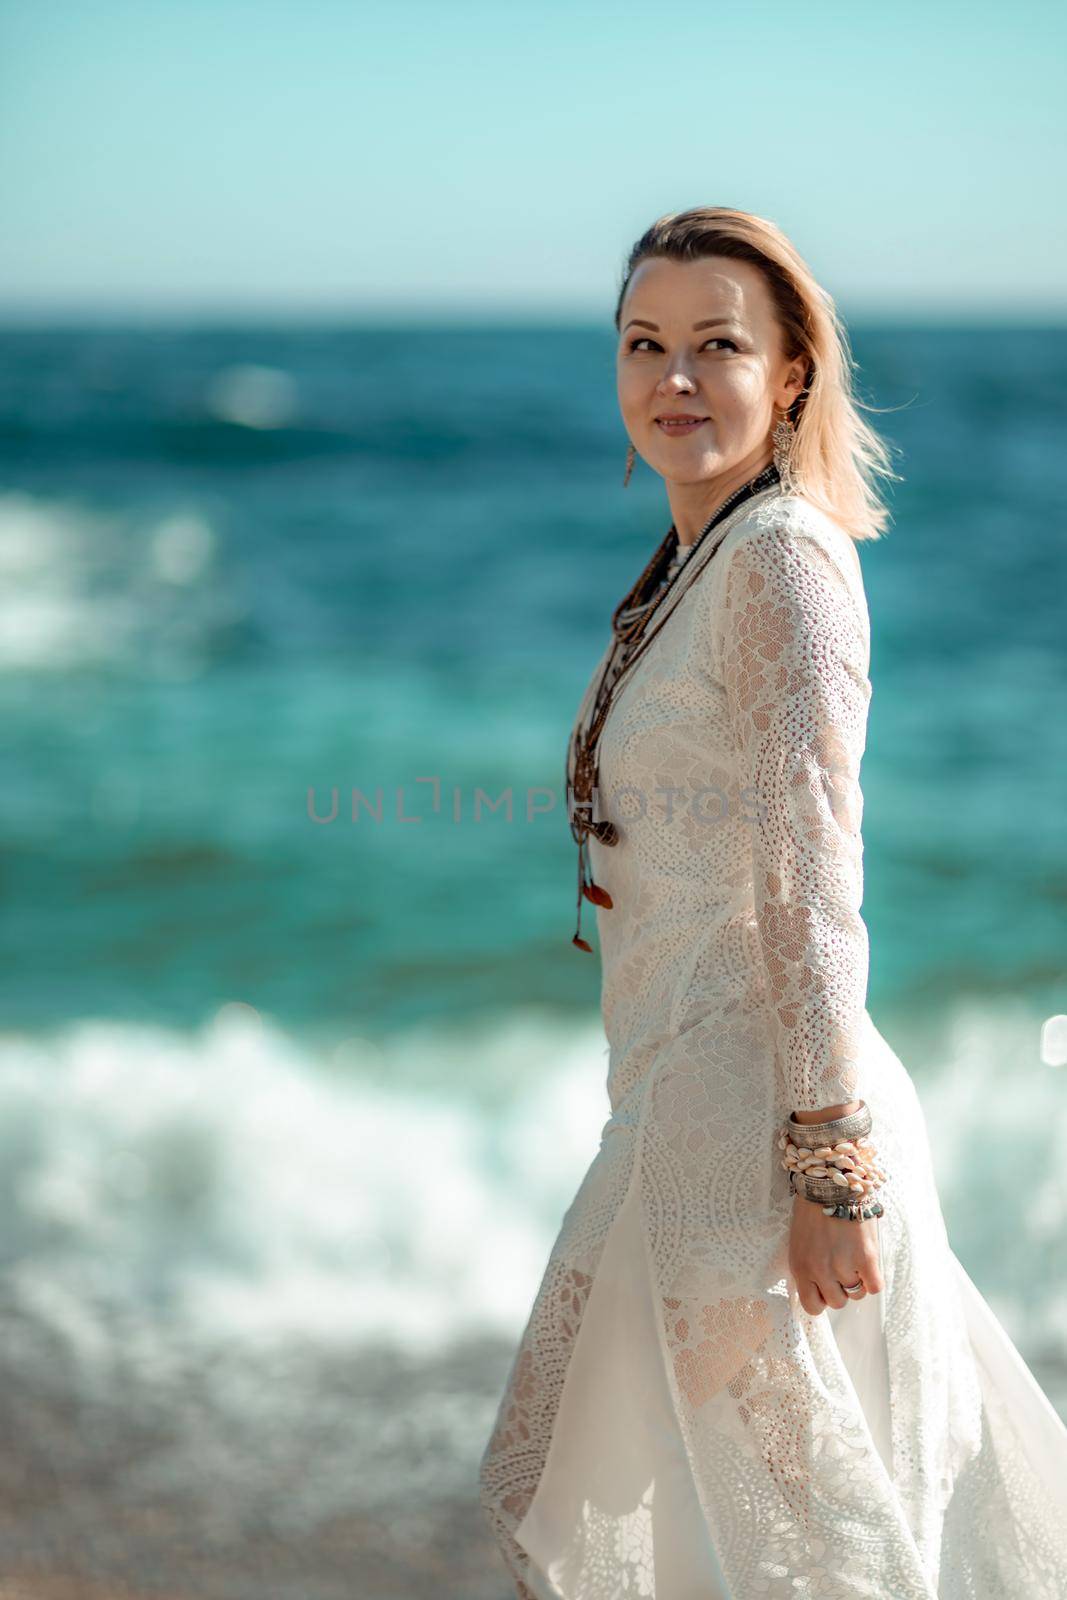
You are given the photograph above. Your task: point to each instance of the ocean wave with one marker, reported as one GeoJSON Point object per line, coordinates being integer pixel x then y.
{"type": "Point", "coordinates": [240, 1180]}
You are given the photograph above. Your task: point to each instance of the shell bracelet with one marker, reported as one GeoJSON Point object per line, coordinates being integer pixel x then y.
{"type": "Point", "coordinates": [834, 1164]}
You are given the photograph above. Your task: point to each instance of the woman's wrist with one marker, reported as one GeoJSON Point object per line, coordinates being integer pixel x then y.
{"type": "Point", "coordinates": [828, 1113]}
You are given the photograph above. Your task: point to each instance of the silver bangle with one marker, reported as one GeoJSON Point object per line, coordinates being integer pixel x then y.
{"type": "Point", "coordinates": [812, 1135]}
{"type": "Point", "coordinates": [851, 1205]}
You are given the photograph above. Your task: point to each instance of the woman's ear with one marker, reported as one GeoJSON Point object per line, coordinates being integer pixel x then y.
{"type": "Point", "coordinates": [793, 384]}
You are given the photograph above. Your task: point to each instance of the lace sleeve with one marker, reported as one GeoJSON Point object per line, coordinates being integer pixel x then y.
{"type": "Point", "coordinates": [795, 655]}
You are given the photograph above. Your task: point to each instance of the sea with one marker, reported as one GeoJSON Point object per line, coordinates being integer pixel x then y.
{"type": "Point", "coordinates": [299, 1068]}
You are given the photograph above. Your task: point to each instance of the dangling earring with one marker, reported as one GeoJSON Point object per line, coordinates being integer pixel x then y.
{"type": "Point", "coordinates": [784, 437]}
{"type": "Point", "coordinates": [631, 457]}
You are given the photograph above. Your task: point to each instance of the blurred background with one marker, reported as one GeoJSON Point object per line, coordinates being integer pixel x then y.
{"type": "Point", "coordinates": [311, 524]}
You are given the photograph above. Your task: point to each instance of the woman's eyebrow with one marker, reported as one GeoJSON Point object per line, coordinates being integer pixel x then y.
{"type": "Point", "coordinates": [712, 322]}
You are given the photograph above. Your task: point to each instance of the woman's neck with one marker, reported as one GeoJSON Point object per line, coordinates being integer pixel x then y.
{"type": "Point", "coordinates": [691, 519]}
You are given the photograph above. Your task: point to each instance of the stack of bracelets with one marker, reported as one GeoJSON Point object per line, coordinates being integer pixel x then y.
{"type": "Point", "coordinates": [834, 1165]}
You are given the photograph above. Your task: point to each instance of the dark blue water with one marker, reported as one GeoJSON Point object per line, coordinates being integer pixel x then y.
{"type": "Point", "coordinates": [241, 564]}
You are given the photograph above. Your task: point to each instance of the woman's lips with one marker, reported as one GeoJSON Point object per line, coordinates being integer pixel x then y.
{"type": "Point", "coordinates": [671, 428]}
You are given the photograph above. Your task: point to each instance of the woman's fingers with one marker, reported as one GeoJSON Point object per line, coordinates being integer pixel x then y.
{"type": "Point", "coordinates": [863, 1271]}
{"type": "Point", "coordinates": [870, 1271]}
{"type": "Point", "coordinates": [834, 1295]}
{"type": "Point", "coordinates": [811, 1297]}
{"type": "Point", "coordinates": [828, 1289]}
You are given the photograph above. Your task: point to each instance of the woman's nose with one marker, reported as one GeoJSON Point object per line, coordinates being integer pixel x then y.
{"type": "Point", "coordinates": [676, 379]}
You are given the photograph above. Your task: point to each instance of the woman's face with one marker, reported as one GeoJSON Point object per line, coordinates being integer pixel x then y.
{"type": "Point", "coordinates": [700, 338]}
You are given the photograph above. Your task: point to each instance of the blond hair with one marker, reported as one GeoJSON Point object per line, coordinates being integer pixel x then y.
{"type": "Point", "coordinates": [837, 456]}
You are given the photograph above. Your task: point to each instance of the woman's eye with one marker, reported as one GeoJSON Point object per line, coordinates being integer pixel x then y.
{"type": "Point", "coordinates": [646, 340]}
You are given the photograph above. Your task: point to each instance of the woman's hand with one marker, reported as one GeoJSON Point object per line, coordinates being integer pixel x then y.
{"type": "Point", "coordinates": [826, 1252]}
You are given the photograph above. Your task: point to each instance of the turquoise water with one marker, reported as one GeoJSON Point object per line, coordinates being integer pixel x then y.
{"type": "Point", "coordinates": [246, 567]}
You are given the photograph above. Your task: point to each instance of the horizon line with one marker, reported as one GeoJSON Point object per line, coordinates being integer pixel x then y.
{"type": "Point", "coordinates": [16, 314]}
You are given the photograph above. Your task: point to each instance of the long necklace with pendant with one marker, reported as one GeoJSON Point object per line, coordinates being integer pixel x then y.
{"type": "Point", "coordinates": [632, 634]}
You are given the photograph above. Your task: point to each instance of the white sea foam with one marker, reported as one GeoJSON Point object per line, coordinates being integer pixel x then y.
{"type": "Point", "coordinates": [233, 1179]}
{"type": "Point", "coordinates": [239, 1181]}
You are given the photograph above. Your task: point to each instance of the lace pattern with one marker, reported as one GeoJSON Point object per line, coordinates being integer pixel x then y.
{"type": "Point", "coordinates": [794, 659]}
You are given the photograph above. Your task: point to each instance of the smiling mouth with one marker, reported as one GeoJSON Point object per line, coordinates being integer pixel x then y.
{"type": "Point", "coordinates": [680, 424]}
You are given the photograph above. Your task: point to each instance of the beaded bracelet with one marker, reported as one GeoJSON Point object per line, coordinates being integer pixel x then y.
{"type": "Point", "coordinates": [834, 1162]}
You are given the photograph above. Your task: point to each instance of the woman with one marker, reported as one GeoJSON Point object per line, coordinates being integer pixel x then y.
{"type": "Point", "coordinates": [681, 1419]}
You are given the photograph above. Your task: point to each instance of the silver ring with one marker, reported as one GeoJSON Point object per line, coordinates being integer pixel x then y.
{"type": "Point", "coordinates": [856, 1288]}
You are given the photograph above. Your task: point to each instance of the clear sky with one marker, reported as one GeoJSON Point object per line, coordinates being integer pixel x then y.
{"type": "Point", "coordinates": [465, 158]}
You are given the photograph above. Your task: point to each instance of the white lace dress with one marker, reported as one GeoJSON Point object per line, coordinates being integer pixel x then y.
{"type": "Point", "coordinates": [674, 1423]}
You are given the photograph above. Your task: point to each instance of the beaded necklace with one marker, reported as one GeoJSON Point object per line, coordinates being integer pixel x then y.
{"type": "Point", "coordinates": [632, 634]}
